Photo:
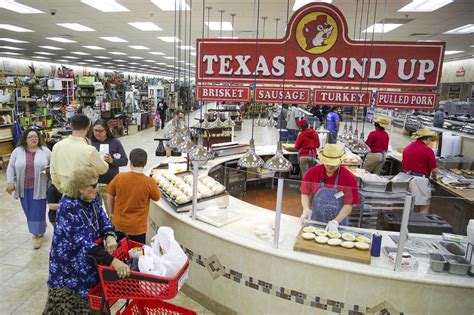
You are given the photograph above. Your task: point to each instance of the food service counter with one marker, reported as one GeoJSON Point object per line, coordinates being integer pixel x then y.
{"type": "Point", "coordinates": [233, 270]}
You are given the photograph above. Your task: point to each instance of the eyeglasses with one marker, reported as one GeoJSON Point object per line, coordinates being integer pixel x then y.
{"type": "Point", "coordinates": [32, 137]}
{"type": "Point", "coordinates": [94, 185]}
{"type": "Point", "coordinates": [99, 130]}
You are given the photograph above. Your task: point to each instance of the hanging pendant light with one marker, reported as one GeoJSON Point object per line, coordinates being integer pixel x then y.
{"type": "Point", "coordinates": [229, 122]}
{"type": "Point", "coordinates": [199, 152]}
{"type": "Point", "coordinates": [177, 140]}
{"type": "Point", "coordinates": [218, 123]}
{"type": "Point", "coordinates": [271, 122]}
{"type": "Point", "coordinates": [250, 158]}
{"type": "Point", "coordinates": [206, 124]}
{"type": "Point", "coordinates": [278, 163]}
{"type": "Point", "coordinates": [186, 146]}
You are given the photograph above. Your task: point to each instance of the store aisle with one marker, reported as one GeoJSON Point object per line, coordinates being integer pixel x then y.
{"type": "Point", "coordinates": [23, 270]}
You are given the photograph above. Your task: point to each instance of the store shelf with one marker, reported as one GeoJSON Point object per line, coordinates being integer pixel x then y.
{"type": "Point", "coordinates": [6, 140]}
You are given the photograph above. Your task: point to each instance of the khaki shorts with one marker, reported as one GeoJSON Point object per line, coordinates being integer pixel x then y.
{"type": "Point", "coordinates": [420, 188]}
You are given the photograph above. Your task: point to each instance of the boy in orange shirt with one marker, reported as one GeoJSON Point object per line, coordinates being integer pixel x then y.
{"type": "Point", "coordinates": [129, 197]}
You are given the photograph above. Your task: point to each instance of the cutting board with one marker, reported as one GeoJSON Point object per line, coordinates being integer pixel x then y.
{"type": "Point", "coordinates": [353, 254]}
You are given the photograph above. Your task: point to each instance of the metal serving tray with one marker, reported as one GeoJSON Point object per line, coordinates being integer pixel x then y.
{"type": "Point", "coordinates": [221, 200]}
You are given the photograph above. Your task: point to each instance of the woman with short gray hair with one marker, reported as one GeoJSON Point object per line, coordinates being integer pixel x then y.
{"type": "Point", "coordinates": [80, 222]}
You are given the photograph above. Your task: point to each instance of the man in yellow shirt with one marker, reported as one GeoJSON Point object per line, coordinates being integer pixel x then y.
{"type": "Point", "coordinates": [73, 152]}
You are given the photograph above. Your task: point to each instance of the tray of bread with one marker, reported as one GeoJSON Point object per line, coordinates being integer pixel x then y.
{"type": "Point", "coordinates": [345, 244]}
{"type": "Point", "coordinates": [178, 190]}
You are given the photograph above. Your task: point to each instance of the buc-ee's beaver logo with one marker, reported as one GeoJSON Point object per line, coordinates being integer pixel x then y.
{"type": "Point", "coordinates": [316, 33]}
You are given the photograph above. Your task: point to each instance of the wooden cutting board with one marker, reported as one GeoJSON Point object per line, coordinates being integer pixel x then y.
{"type": "Point", "coordinates": [353, 254]}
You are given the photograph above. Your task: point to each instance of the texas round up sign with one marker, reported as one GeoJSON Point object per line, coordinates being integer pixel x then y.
{"type": "Point", "coordinates": [317, 50]}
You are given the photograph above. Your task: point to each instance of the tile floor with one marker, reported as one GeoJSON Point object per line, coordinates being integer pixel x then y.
{"type": "Point", "coordinates": [24, 271]}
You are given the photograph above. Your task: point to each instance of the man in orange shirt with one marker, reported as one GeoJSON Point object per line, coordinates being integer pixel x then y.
{"type": "Point", "coordinates": [129, 197]}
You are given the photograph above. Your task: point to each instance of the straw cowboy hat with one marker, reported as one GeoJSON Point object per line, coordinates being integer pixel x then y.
{"type": "Point", "coordinates": [424, 132]}
{"type": "Point", "coordinates": [331, 154]}
{"type": "Point", "coordinates": [383, 121]}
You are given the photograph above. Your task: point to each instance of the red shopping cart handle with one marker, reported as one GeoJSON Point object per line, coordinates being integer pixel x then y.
{"type": "Point", "coordinates": [112, 276]}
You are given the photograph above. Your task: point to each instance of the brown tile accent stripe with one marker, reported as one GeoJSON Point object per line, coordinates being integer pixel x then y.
{"type": "Point", "coordinates": [336, 307]}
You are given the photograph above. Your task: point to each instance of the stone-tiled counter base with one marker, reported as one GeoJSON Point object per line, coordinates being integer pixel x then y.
{"type": "Point", "coordinates": [253, 282]}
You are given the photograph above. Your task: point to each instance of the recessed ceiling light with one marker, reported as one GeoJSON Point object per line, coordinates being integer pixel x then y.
{"type": "Point", "coordinates": [161, 63]}
{"type": "Point", "coordinates": [106, 5]}
{"type": "Point", "coordinates": [381, 28]}
{"type": "Point", "coordinates": [145, 26]}
{"type": "Point", "coordinates": [114, 39]}
{"type": "Point", "coordinates": [135, 57]}
{"type": "Point", "coordinates": [18, 7]}
{"type": "Point", "coordinates": [102, 57]}
{"type": "Point", "coordinates": [193, 54]}
{"type": "Point", "coordinates": [71, 57]}
{"type": "Point", "coordinates": [466, 29]}
{"type": "Point", "coordinates": [90, 60]}
{"type": "Point", "coordinates": [62, 60]}
{"type": "Point", "coordinates": [170, 66]}
{"type": "Point", "coordinates": [94, 47]}
{"type": "Point", "coordinates": [119, 60]}
{"type": "Point", "coordinates": [81, 63]}
{"type": "Point", "coordinates": [76, 27]}
{"type": "Point", "coordinates": [12, 48]}
{"type": "Point", "coordinates": [61, 40]}
{"type": "Point", "coordinates": [428, 40]}
{"type": "Point", "coordinates": [169, 39]}
{"type": "Point", "coordinates": [171, 5]}
{"type": "Point", "coordinates": [107, 63]}
{"type": "Point", "coordinates": [149, 60]}
{"type": "Point", "coordinates": [51, 47]}
{"type": "Point", "coordinates": [139, 47]}
{"type": "Point", "coordinates": [183, 47]}
{"type": "Point", "coordinates": [79, 53]}
{"type": "Point", "coordinates": [9, 53]}
{"type": "Point", "coordinates": [12, 40]}
{"type": "Point", "coordinates": [424, 5]}
{"type": "Point", "coordinates": [228, 37]}
{"type": "Point", "coordinates": [117, 53]}
{"type": "Point", "coordinates": [44, 53]}
{"type": "Point", "coordinates": [471, 46]}
{"type": "Point", "coordinates": [217, 26]}
{"type": "Point", "coordinates": [156, 53]}
{"type": "Point", "coordinates": [169, 57]}
{"type": "Point", "coordinates": [40, 57]}
{"type": "Point", "coordinates": [133, 63]}
{"type": "Point", "coordinates": [452, 52]}
{"type": "Point", "coordinates": [14, 28]}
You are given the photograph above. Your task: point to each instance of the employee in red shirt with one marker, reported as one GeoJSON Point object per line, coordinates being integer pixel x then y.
{"type": "Point", "coordinates": [329, 190]}
{"type": "Point", "coordinates": [378, 144]}
{"type": "Point", "coordinates": [306, 144]}
{"type": "Point", "coordinates": [419, 160]}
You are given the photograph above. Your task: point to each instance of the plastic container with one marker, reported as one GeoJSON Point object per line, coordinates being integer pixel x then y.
{"type": "Point", "coordinates": [375, 186]}
{"type": "Point", "coordinates": [155, 307]}
{"type": "Point", "coordinates": [457, 265]}
{"type": "Point", "coordinates": [437, 262]}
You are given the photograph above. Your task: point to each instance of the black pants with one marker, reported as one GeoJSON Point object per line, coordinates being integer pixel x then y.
{"type": "Point", "coordinates": [163, 119]}
{"type": "Point", "coordinates": [141, 238]}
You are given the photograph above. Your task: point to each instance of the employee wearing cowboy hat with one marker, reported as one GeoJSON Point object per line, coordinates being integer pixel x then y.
{"type": "Point", "coordinates": [419, 160]}
{"type": "Point", "coordinates": [377, 141]}
{"type": "Point", "coordinates": [329, 190]}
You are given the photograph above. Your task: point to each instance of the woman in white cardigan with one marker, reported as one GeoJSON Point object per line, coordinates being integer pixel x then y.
{"type": "Point", "coordinates": [30, 184]}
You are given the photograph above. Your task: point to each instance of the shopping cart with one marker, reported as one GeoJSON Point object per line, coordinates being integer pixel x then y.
{"type": "Point", "coordinates": [154, 307]}
{"type": "Point", "coordinates": [138, 286]}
